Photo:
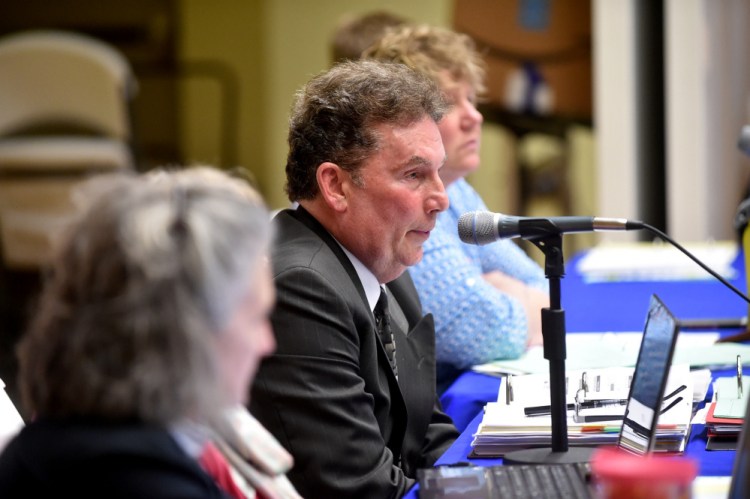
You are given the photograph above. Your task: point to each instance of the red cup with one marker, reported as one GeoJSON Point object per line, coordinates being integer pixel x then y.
{"type": "Point", "coordinates": [618, 474]}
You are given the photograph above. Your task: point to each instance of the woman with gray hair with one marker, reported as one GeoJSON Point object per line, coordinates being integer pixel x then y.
{"type": "Point", "coordinates": [148, 333]}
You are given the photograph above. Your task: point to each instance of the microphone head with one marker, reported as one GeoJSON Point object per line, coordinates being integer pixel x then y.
{"type": "Point", "coordinates": [477, 227]}
{"type": "Point", "coordinates": [743, 143]}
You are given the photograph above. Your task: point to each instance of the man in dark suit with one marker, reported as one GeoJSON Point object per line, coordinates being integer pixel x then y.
{"type": "Point", "coordinates": [365, 152]}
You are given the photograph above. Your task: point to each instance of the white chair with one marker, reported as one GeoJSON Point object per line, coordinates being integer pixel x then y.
{"type": "Point", "coordinates": [64, 115]}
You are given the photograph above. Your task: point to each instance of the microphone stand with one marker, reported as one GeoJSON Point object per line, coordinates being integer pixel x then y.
{"type": "Point", "coordinates": [553, 333]}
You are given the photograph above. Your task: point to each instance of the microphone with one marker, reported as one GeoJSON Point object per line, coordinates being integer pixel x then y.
{"type": "Point", "coordinates": [743, 143]}
{"type": "Point", "coordinates": [484, 227]}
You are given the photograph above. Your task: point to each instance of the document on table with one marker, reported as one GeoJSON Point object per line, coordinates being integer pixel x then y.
{"type": "Point", "coordinates": [600, 350]}
{"type": "Point", "coordinates": [506, 427]}
{"type": "Point", "coordinates": [731, 402]}
{"type": "Point", "coordinates": [656, 261]}
{"type": "Point", "coordinates": [609, 383]}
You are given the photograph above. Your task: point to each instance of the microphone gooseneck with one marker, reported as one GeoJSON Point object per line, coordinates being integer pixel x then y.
{"type": "Point", "coordinates": [702, 265]}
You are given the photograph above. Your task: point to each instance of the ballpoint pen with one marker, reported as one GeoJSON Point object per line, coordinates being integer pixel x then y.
{"type": "Point", "coordinates": [600, 429]}
{"type": "Point", "coordinates": [508, 389]}
{"type": "Point", "coordinates": [672, 404]}
{"type": "Point", "coordinates": [603, 417]}
{"type": "Point", "coordinates": [544, 410]}
{"type": "Point", "coordinates": [714, 323]}
{"type": "Point", "coordinates": [675, 392]}
{"type": "Point", "coordinates": [596, 418]}
{"type": "Point", "coordinates": [739, 377]}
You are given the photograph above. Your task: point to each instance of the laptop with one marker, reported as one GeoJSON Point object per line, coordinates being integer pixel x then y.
{"type": "Point", "coordinates": [638, 434]}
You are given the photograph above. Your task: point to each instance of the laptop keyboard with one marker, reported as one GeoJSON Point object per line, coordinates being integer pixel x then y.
{"type": "Point", "coordinates": [516, 481]}
{"type": "Point", "coordinates": [522, 481]}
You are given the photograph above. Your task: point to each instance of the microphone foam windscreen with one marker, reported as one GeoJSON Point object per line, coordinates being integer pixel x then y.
{"type": "Point", "coordinates": [743, 143]}
{"type": "Point", "coordinates": [477, 227]}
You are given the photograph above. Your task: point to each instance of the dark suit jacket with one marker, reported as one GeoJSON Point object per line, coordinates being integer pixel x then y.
{"type": "Point", "coordinates": [328, 394]}
{"type": "Point", "coordinates": [89, 459]}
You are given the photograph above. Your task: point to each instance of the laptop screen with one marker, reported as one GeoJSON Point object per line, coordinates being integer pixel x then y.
{"type": "Point", "coordinates": [649, 379]}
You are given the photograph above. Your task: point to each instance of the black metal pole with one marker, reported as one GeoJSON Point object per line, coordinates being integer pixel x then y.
{"type": "Point", "coordinates": [553, 333]}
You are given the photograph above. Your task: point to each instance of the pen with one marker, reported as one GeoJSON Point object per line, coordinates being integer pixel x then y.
{"type": "Point", "coordinates": [735, 338]}
{"type": "Point", "coordinates": [739, 377]}
{"type": "Point", "coordinates": [678, 390]}
{"type": "Point", "coordinates": [599, 417]}
{"type": "Point", "coordinates": [600, 429]}
{"type": "Point", "coordinates": [544, 410]}
{"type": "Point", "coordinates": [508, 389]}
{"type": "Point", "coordinates": [672, 404]}
{"type": "Point", "coordinates": [713, 323]}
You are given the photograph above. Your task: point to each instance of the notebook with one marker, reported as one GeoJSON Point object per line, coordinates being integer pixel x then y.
{"type": "Point", "coordinates": [637, 436]}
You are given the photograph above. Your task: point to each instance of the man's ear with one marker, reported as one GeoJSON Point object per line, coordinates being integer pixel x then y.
{"type": "Point", "coordinates": [331, 182]}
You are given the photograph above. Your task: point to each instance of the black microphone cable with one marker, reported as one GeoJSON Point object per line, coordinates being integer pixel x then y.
{"type": "Point", "coordinates": [705, 267]}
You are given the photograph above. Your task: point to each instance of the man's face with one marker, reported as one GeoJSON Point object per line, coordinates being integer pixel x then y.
{"type": "Point", "coordinates": [390, 214]}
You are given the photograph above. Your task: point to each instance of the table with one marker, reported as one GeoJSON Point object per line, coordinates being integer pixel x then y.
{"type": "Point", "coordinates": [608, 306]}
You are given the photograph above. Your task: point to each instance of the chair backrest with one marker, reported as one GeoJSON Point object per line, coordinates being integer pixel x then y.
{"type": "Point", "coordinates": [54, 77]}
{"type": "Point", "coordinates": [64, 115]}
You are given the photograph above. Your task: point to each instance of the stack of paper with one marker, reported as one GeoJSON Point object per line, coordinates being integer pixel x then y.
{"type": "Point", "coordinates": [654, 262]}
{"type": "Point", "coordinates": [722, 432]}
{"type": "Point", "coordinates": [600, 350]}
{"type": "Point", "coordinates": [506, 426]}
{"type": "Point", "coordinates": [726, 413]}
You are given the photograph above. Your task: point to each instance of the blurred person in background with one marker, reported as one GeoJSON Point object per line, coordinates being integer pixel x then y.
{"type": "Point", "coordinates": [354, 33]}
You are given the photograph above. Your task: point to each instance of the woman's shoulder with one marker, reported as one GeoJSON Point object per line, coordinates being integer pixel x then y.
{"type": "Point", "coordinates": [82, 456]}
{"type": "Point", "coordinates": [463, 196]}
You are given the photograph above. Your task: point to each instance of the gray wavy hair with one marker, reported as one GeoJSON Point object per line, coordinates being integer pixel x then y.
{"type": "Point", "coordinates": [151, 268]}
{"type": "Point", "coordinates": [335, 114]}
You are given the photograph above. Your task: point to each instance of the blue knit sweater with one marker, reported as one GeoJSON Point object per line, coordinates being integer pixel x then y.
{"type": "Point", "coordinates": [474, 322]}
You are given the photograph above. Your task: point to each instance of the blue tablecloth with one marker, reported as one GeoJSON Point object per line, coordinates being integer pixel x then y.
{"type": "Point", "coordinates": [712, 463]}
{"type": "Point", "coordinates": [608, 306]}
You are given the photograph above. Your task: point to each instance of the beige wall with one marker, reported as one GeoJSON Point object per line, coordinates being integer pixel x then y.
{"type": "Point", "coordinates": [230, 32]}
{"type": "Point", "coordinates": [273, 46]}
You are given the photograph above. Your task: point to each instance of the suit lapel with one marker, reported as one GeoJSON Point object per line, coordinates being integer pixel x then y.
{"type": "Point", "coordinates": [415, 354]}
{"type": "Point", "coordinates": [404, 292]}
{"type": "Point", "coordinates": [310, 222]}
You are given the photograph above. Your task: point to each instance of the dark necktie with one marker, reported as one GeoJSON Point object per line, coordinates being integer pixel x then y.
{"type": "Point", "coordinates": [383, 323]}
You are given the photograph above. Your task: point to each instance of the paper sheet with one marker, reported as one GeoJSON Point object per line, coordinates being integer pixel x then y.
{"type": "Point", "coordinates": [729, 402]}
{"type": "Point", "coordinates": [656, 261]}
{"type": "Point", "coordinates": [600, 350]}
